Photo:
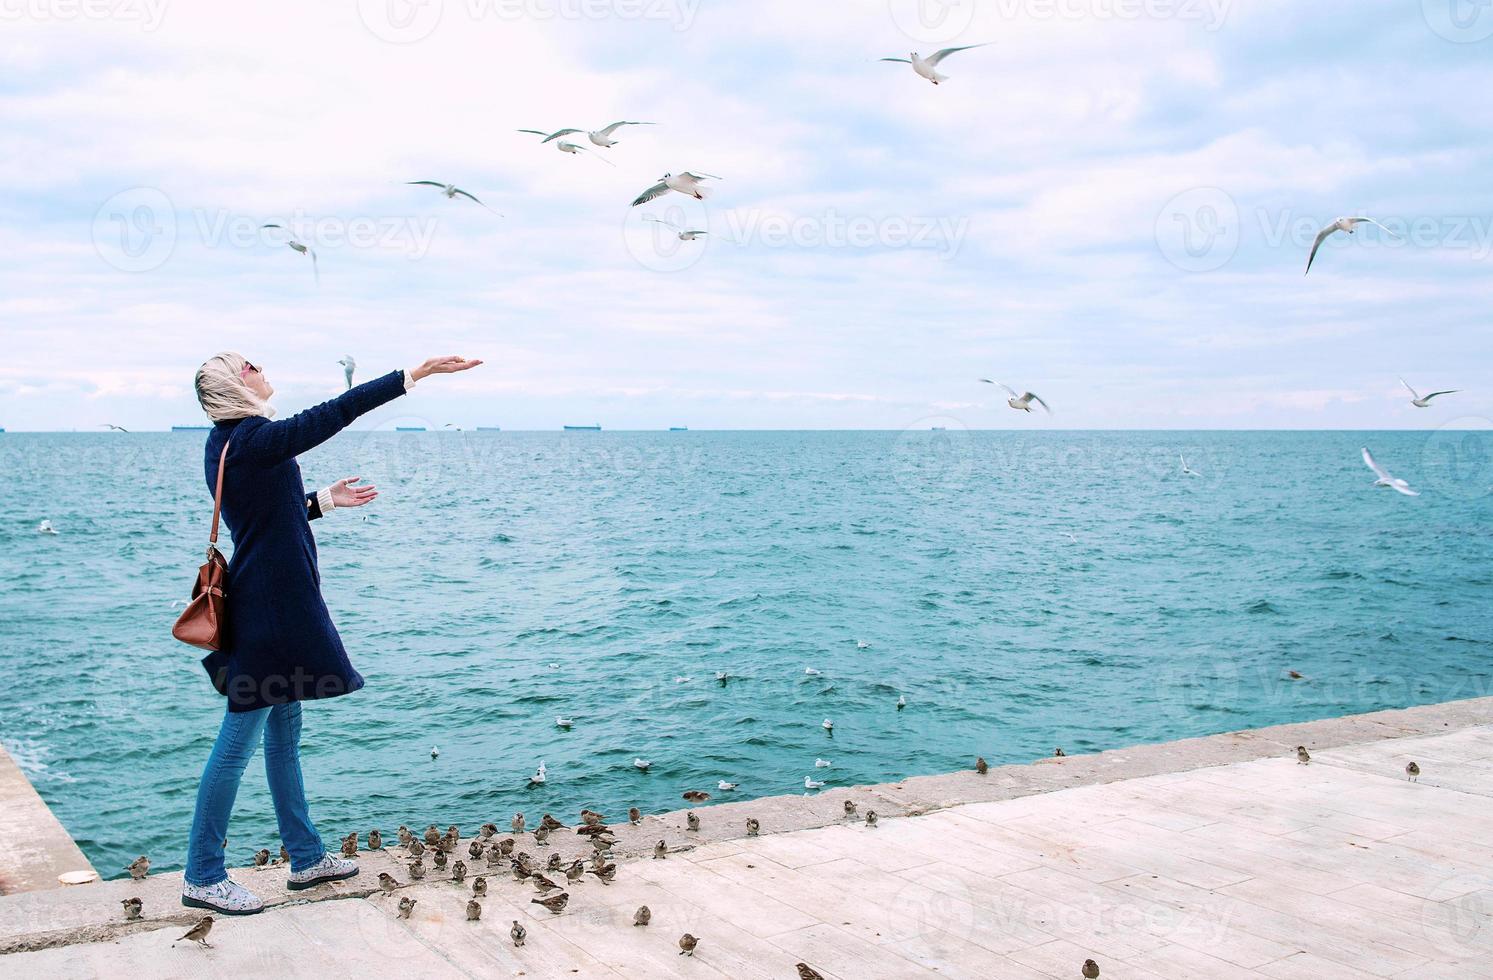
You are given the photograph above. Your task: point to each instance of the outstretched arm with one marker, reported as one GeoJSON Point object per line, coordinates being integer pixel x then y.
{"type": "Point", "coordinates": [275, 442]}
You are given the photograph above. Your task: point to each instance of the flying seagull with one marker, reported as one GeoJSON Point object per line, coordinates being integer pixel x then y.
{"type": "Point", "coordinates": [685, 183]}
{"type": "Point", "coordinates": [1021, 402]}
{"type": "Point", "coordinates": [302, 248]}
{"type": "Point", "coordinates": [1385, 480]}
{"type": "Point", "coordinates": [928, 67]}
{"type": "Point", "coordinates": [450, 190]}
{"type": "Point", "coordinates": [1342, 224]}
{"type": "Point", "coordinates": [115, 428]}
{"type": "Point", "coordinates": [685, 234]}
{"type": "Point", "coordinates": [563, 146]}
{"type": "Point", "coordinates": [348, 367]}
{"type": "Point", "coordinates": [1425, 402]}
{"type": "Point", "coordinates": [1187, 470]}
{"type": "Point", "coordinates": [600, 137]}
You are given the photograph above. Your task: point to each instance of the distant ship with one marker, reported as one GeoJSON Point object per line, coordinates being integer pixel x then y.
{"type": "Point", "coordinates": [489, 428]}
{"type": "Point", "coordinates": [190, 428]}
{"type": "Point", "coordinates": [678, 428]}
{"type": "Point", "coordinates": [940, 428]}
{"type": "Point", "coordinates": [583, 428]}
{"type": "Point", "coordinates": [409, 428]}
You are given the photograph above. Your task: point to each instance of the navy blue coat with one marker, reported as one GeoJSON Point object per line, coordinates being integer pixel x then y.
{"type": "Point", "coordinates": [279, 644]}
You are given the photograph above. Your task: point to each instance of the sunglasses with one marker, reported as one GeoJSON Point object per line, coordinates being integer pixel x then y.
{"type": "Point", "coordinates": [248, 367]}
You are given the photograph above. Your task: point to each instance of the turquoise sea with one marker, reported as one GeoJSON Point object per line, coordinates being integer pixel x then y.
{"type": "Point", "coordinates": [1021, 590]}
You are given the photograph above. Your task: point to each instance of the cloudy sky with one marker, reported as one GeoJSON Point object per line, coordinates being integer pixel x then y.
{"type": "Point", "coordinates": [1110, 204]}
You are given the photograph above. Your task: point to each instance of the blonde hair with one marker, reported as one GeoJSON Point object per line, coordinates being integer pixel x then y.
{"type": "Point", "coordinates": [221, 390]}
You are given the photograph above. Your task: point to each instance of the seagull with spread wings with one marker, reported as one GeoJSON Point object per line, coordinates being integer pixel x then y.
{"type": "Point", "coordinates": [685, 234]}
{"type": "Point", "coordinates": [451, 191]}
{"type": "Point", "coordinates": [599, 137]}
{"type": "Point", "coordinates": [928, 67]}
{"type": "Point", "coordinates": [564, 146]}
{"type": "Point", "coordinates": [301, 247]}
{"type": "Point", "coordinates": [685, 183]}
{"type": "Point", "coordinates": [1349, 225]}
{"type": "Point", "coordinates": [1385, 480]}
{"type": "Point", "coordinates": [1021, 402]}
{"type": "Point", "coordinates": [1425, 402]}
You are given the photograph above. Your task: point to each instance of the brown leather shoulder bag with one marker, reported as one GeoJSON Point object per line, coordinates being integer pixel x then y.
{"type": "Point", "coordinates": [201, 623]}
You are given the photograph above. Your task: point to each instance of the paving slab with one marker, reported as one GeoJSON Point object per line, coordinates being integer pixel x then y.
{"type": "Point", "coordinates": [1219, 857]}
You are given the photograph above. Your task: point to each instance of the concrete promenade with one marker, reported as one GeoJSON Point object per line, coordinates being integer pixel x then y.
{"type": "Point", "coordinates": [1206, 858]}
{"type": "Point", "coordinates": [37, 849]}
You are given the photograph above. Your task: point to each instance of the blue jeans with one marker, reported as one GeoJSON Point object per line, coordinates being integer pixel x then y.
{"type": "Point", "coordinates": [280, 726]}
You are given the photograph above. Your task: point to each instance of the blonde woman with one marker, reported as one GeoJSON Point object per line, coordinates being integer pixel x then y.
{"type": "Point", "coordinates": [279, 645]}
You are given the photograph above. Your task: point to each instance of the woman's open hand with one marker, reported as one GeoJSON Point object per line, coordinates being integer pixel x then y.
{"type": "Point", "coordinates": [344, 494]}
{"type": "Point", "coordinates": [444, 365]}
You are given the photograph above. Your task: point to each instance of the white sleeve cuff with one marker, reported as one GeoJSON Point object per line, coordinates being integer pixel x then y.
{"type": "Point", "coordinates": [324, 501]}
{"type": "Point", "coordinates": [409, 380]}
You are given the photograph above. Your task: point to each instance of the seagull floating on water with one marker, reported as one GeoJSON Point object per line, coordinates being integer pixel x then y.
{"type": "Point", "coordinates": [681, 679]}
{"type": "Point", "coordinates": [861, 644]}
{"type": "Point", "coordinates": [1021, 402]}
{"type": "Point", "coordinates": [45, 527]}
{"type": "Point", "coordinates": [928, 67]}
{"type": "Point", "coordinates": [811, 783]}
{"type": "Point", "coordinates": [539, 774]}
{"type": "Point", "coordinates": [821, 763]}
{"type": "Point", "coordinates": [434, 751]}
{"type": "Point", "coordinates": [642, 764]}
{"type": "Point", "coordinates": [685, 183]}
{"type": "Point", "coordinates": [1187, 470]}
{"type": "Point", "coordinates": [685, 234]}
{"type": "Point", "coordinates": [303, 248]}
{"type": "Point", "coordinates": [1342, 224]}
{"type": "Point", "coordinates": [725, 787]}
{"type": "Point", "coordinates": [828, 725]}
{"type": "Point", "coordinates": [1385, 480]}
{"type": "Point", "coordinates": [451, 191]}
{"type": "Point", "coordinates": [563, 722]}
{"type": "Point", "coordinates": [811, 671]}
{"type": "Point", "coordinates": [1425, 402]}
{"type": "Point", "coordinates": [901, 701]}
{"type": "Point", "coordinates": [348, 367]}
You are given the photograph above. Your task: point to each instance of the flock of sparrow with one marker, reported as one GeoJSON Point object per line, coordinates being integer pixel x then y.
{"type": "Point", "coordinates": [502, 855]}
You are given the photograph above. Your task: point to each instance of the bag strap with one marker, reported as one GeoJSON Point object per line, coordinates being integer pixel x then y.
{"type": "Point", "coordinates": [212, 539]}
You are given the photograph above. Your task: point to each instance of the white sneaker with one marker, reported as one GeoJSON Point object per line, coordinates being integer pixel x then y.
{"type": "Point", "coordinates": [329, 868]}
{"type": "Point", "coordinates": [227, 897]}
